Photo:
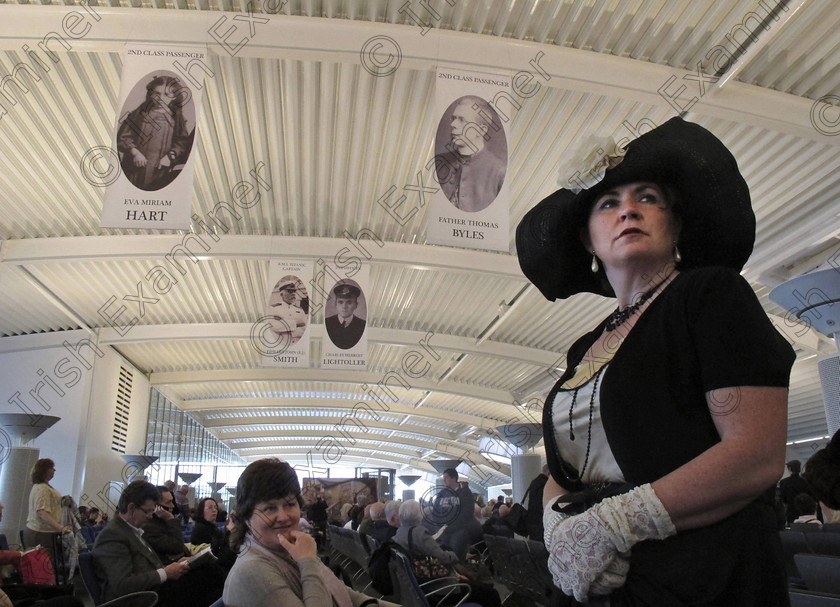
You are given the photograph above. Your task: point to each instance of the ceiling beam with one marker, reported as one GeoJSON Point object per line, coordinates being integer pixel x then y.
{"type": "Point", "coordinates": [344, 439]}
{"type": "Point", "coordinates": [341, 405]}
{"type": "Point", "coordinates": [327, 376]}
{"type": "Point", "coordinates": [342, 40]}
{"type": "Point", "coordinates": [397, 337]}
{"type": "Point", "coordinates": [336, 408]}
{"type": "Point", "coordinates": [233, 431]}
{"type": "Point", "coordinates": [78, 249]}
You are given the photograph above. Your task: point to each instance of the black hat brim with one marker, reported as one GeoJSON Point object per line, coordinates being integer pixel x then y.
{"type": "Point", "coordinates": [714, 207]}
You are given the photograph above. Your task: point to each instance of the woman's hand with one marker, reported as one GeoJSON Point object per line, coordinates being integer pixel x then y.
{"type": "Point", "coordinates": [139, 158]}
{"type": "Point", "coordinates": [302, 546]}
{"type": "Point", "coordinates": [588, 552]}
{"type": "Point", "coordinates": [163, 513]}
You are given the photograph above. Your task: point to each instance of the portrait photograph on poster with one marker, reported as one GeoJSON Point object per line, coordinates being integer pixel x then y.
{"type": "Point", "coordinates": [156, 130]}
{"type": "Point", "coordinates": [345, 314]}
{"type": "Point", "coordinates": [471, 153]}
{"type": "Point", "coordinates": [288, 310]}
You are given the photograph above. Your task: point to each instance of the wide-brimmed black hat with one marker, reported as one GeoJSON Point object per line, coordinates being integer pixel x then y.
{"type": "Point", "coordinates": [717, 220]}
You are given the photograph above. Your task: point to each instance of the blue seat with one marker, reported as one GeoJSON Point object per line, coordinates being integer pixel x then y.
{"type": "Point", "coordinates": [218, 603]}
{"type": "Point", "coordinates": [135, 599]}
{"type": "Point", "coordinates": [4, 543]}
{"type": "Point", "coordinates": [87, 533]}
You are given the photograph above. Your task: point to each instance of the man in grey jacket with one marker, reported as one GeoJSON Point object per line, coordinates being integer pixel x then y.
{"type": "Point", "coordinates": [126, 563]}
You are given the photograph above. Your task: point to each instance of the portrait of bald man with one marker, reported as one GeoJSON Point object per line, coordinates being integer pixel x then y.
{"type": "Point", "coordinates": [471, 154]}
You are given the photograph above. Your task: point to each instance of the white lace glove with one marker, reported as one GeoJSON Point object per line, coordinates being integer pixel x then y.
{"type": "Point", "coordinates": [612, 577]}
{"type": "Point", "coordinates": [588, 552]}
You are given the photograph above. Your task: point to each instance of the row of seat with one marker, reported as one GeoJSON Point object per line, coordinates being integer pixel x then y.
{"type": "Point", "coordinates": [797, 542]}
{"type": "Point", "coordinates": [350, 558]}
{"type": "Point", "coordinates": [522, 566]}
{"type": "Point", "coordinates": [812, 560]}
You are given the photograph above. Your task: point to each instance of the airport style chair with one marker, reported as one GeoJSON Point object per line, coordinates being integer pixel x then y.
{"type": "Point", "coordinates": [135, 599]}
{"type": "Point", "coordinates": [410, 593]}
{"type": "Point", "coordinates": [793, 543]}
{"type": "Point", "coordinates": [824, 543]}
{"type": "Point", "coordinates": [821, 573]}
{"type": "Point", "coordinates": [804, 598]}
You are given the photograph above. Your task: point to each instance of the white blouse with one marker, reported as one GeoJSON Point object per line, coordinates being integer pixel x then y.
{"type": "Point", "coordinates": [601, 465]}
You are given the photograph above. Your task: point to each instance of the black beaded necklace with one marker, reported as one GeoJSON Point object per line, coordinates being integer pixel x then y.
{"type": "Point", "coordinates": [618, 317]}
{"type": "Point", "coordinates": [613, 322]}
{"type": "Point", "coordinates": [591, 413]}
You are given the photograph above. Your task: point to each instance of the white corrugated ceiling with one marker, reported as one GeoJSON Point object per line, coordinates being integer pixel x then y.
{"type": "Point", "coordinates": [334, 139]}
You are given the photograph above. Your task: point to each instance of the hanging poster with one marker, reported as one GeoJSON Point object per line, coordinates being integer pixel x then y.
{"type": "Point", "coordinates": [154, 139]}
{"type": "Point", "coordinates": [470, 208]}
{"type": "Point", "coordinates": [345, 322]}
{"type": "Point", "coordinates": [282, 335]}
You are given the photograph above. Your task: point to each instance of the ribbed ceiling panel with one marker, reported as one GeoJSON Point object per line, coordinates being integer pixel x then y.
{"type": "Point", "coordinates": [24, 309]}
{"type": "Point", "coordinates": [803, 59]}
{"type": "Point", "coordinates": [805, 403]}
{"type": "Point", "coordinates": [201, 295]}
{"type": "Point", "coordinates": [334, 140]}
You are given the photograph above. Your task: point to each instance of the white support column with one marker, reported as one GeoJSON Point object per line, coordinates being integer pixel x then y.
{"type": "Point", "coordinates": [523, 469]}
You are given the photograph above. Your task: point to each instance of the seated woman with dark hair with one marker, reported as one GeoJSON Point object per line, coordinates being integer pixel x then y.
{"type": "Point", "coordinates": [277, 564]}
{"type": "Point", "coordinates": [205, 531]}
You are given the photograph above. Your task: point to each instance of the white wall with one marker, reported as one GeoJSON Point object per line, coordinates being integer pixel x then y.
{"type": "Point", "coordinates": [65, 375]}
{"type": "Point", "coordinates": [102, 465]}
{"type": "Point", "coordinates": [105, 470]}
{"type": "Point", "coordinates": [30, 367]}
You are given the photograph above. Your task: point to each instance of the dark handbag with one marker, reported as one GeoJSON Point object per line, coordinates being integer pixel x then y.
{"type": "Point", "coordinates": [426, 568]}
{"type": "Point", "coordinates": [380, 575]}
{"type": "Point", "coordinates": [516, 519]}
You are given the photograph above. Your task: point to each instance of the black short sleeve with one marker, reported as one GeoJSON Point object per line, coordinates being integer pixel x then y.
{"type": "Point", "coordinates": [735, 341]}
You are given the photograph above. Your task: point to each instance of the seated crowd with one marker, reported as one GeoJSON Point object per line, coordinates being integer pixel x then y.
{"type": "Point", "coordinates": [269, 554]}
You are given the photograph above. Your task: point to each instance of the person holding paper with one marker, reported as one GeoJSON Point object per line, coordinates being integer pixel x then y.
{"type": "Point", "coordinates": [126, 563]}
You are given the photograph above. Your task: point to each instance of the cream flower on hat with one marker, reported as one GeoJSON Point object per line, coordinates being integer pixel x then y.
{"type": "Point", "coordinates": [589, 163]}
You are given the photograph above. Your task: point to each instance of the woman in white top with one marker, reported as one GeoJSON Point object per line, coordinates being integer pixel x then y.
{"type": "Point", "coordinates": [44, 518]}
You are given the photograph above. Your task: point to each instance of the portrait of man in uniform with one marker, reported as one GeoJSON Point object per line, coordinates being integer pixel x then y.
{"type": "Point", "coordinates": [287, 317]}
{"type": "Point", "coordinates": [344, 328]}
{"type": "Point", "coordinates": [471, 154]}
